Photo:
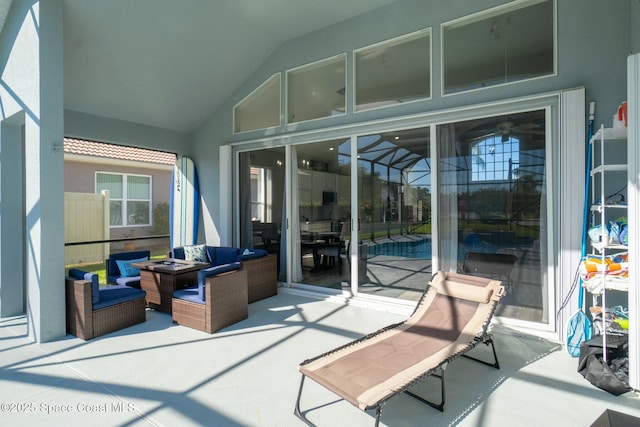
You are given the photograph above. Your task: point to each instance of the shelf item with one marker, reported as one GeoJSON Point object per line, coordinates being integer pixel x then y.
{"type": "Point", "coordinates": [609, 272]}
{"type": "Point", "coordinates": [610, 134]}
{"type": "Point", "coordinates": [601, 247]}
{"type": "Point", "coordinates": [600, 208]}
{"type": "Point", "coordinates": [606, 268]}
{"type": "Point", "coordinates": [595, 285]}
{"type": "Point", "coordinates": [609, 168]}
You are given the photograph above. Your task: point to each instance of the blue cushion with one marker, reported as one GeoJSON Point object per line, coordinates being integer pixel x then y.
{"type": "Point", "coordinates": [112, 295]}
{"type": "Point", "coordinates": [90, 277]}
{"type": "Point", "coordinates": [211, 254]}
{"type": "Point", "coordinates": [114, 271]}
{"type": "Point", "coordinates": [126, 269]}
{"type": "Point", "coordinates": [223, 254]}
{"type": "Point", "coordinates": [178, 253]}
{"type": "Point", "coordinates": [252, 253]}
{"type": "Point", "coordinates": [189, 294]}
{"type": "Point", "coordinates": [213, 271]}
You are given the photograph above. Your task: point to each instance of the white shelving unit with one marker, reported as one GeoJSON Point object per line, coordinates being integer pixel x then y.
{"type": "Point", "coordinates": [603, 145]}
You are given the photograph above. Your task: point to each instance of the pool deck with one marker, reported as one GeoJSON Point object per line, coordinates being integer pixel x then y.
{"type": "Point", "coordinates": [397, 268]}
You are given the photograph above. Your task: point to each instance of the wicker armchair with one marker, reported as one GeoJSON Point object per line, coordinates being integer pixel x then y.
{"type": "Point", "coordinates": [225, 301]}
{"type": "Point", "coordinates": [262, 277]}
{"type": "Point", "coordinates": [87, 321]}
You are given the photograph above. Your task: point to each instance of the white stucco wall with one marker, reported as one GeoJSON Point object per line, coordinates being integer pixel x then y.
{"type": "Point", "coordinates": [31, 95]}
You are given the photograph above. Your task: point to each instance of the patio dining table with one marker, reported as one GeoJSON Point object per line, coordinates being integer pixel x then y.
{"type": "Point", "coordinates": [314, 241]}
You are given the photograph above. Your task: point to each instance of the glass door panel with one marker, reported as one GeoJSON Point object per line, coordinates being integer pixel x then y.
{"type": "Point", "coordinates": [261, 202]}
{"type": "Point", "coordinates": [492, 218]}
{"type": "Point", "coordinates": [394, 211]}
{"type": "Point", "coordinates": [322, 183]}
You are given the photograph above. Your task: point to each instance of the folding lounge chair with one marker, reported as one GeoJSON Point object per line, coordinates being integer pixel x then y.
{"type": "Point", "coordinates": [450, 319]}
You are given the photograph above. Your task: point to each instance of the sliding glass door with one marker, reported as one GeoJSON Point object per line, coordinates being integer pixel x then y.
{"type": "Point", "coordinates": [492, 221]}
{"type": "Point", "coordinates": [261, 185]}
{"type": "Point", "coordinates": [318, 230]}
{"type": "Point", "coordinates": [321, 178]}
{"type": "Point", "coordinates": [394, 213]}
{"type": "Point", "coordinates": [489, 208]}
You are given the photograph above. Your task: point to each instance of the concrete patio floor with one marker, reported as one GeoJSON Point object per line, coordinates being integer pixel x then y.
{"type": "Point", "coordinates": [157, 373]}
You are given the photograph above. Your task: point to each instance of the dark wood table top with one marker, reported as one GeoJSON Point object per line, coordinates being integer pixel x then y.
{"type": "Point", "coordinates": [170, 265]}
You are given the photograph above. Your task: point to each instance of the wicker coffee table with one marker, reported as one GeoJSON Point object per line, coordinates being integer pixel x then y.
{"type": "Point", "coordinates": [161, 278]}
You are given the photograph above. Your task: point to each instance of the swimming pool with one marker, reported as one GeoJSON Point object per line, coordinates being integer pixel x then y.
{"type": "Point", "coordinates": [422, 249]}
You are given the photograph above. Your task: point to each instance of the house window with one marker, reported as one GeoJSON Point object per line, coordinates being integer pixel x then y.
{"type": "Point", "coordinates": [261, 194]}
{"type": "Point", "coordinates": [506, 44]}
{"type": "Point", "coordinates": [129, 198]}
{"type": "Point", "coordinates": [394, 71]}
{"type": "Point", "coordinates": [317, 90]}
{"type": "Point", "coordinates": [495, 159]}
{"type": "Point", "coordinates": [260, 109]}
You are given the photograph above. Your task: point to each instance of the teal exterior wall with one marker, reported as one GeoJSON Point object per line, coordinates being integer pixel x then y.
{"type": "Point", "coordinates": [103, 129]}
{"type": "Point", "coordinates": [591, 53]}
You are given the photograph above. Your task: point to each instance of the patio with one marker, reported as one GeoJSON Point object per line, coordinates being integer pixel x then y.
{"type": "Point", "coordinates": [157, 373]}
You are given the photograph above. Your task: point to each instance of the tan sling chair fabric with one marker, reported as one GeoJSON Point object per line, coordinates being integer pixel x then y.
{"type": "Point", "coordinates": [450, 319]}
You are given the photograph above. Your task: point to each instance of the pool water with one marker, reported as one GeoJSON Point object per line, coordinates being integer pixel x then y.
{"type": "Point", "coordinates": [422, 249]}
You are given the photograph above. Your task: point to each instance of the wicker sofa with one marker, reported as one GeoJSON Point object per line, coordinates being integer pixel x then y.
{"type": "Point", "coordinates": [261, 268]}
{"type": "Point", "coordinates": [92, 311]}
{"type": "Point", "coordinates": [219, 299]}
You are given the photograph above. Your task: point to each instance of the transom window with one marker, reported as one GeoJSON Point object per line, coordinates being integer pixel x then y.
{"type": "Point", "coordinates": [506, 44]}
{"type": "Point", "coordinates": [317, 90]}
{"type": "Point", "coordinates": [394, 71]}
{"type": "Point", "coordinates": [129, 198]}
{"type": "Point", "coordinates": [260, 109]}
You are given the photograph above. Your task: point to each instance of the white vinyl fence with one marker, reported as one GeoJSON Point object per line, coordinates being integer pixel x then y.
{"type": "Point", "coordinates": [86, 218]}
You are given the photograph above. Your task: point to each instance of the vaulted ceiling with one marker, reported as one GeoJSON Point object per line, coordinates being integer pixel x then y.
{"type": "Point", "coordinates": [170, 63]}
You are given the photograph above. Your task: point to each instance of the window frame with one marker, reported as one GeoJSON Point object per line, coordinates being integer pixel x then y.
{"type": "Point", "coordinates": [264, 186]}
{"type": "Point", "coordinates": [392, 42]}
{"type": "Point", "coordinates": [310, 66]}
{"type": "Point", "coordinates": [125, 199]}
{"type": "Point", "coordinates": [253, 95]}
{"type": "Point", "coordinates": [496, 12]}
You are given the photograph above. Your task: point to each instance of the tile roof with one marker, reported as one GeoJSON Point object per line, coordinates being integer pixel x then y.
{"type": "Point", "coordinates": [112, 151]}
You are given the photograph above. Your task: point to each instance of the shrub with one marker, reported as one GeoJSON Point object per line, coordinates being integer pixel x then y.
{"type": "Point", "coordinates": [161, 218]}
